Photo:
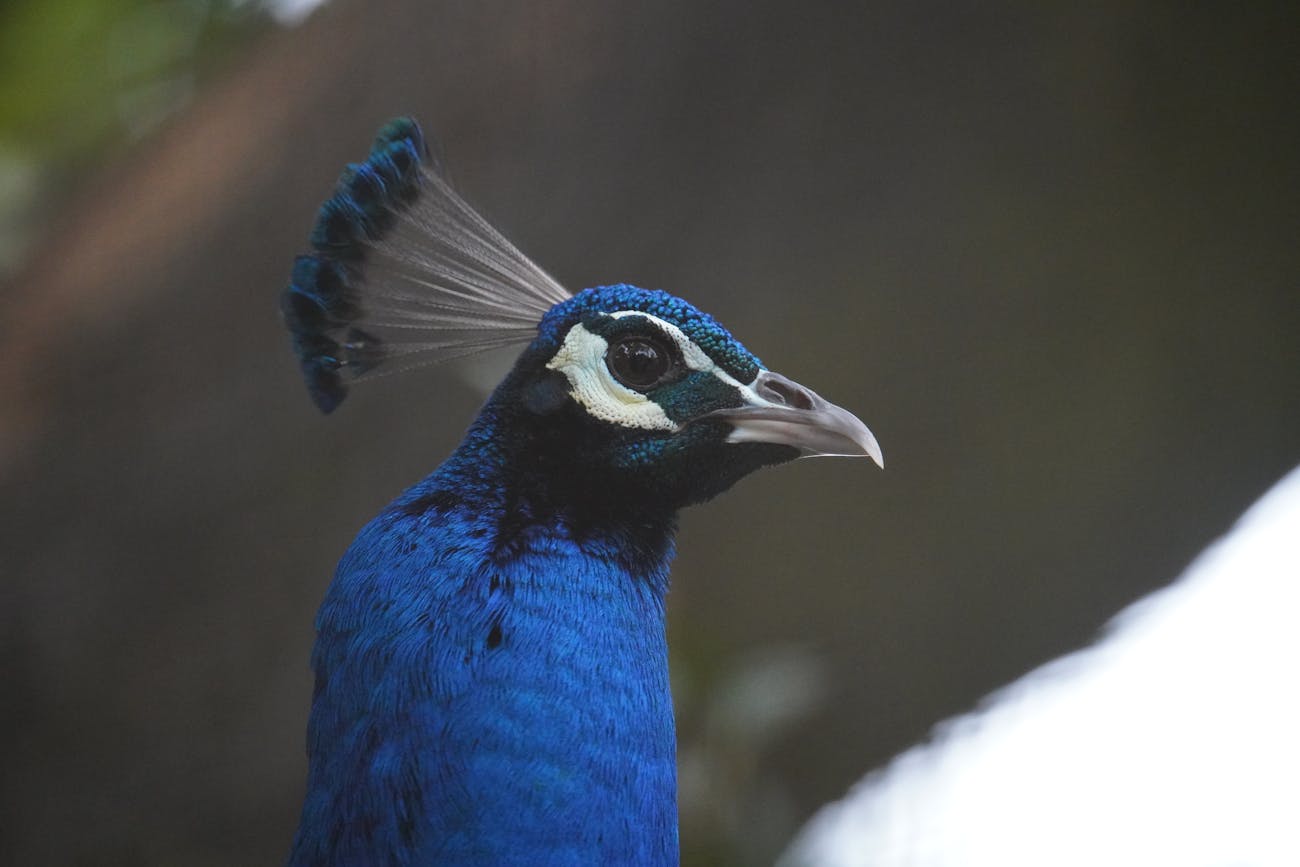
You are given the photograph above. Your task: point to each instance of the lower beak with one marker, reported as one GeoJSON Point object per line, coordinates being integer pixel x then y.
{"type": "Point", "coordinates": [779, 410]}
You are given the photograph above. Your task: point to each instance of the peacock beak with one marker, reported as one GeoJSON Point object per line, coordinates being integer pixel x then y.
{"type": "Point", "coordinates": [780, 410]}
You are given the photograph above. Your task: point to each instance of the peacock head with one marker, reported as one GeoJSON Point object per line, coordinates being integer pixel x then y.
{"type": "Point", "coordinates": [635, 388]}
{"type": "Point", "coordinates": [619, 389]}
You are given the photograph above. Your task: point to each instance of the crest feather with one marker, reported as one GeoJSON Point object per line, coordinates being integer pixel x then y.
{"type": "Point", "coordinates": [403, 273]}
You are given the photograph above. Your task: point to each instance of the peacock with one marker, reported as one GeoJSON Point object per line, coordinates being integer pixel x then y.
{"type": "Point", "coordinates": [491, 672]}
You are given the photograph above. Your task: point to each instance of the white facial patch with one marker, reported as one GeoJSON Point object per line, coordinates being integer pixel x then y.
{"type": "Point", "coordinates": [581, 358]}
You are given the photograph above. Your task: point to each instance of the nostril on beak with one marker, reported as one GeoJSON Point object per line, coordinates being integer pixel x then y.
{"type": "Point", "coordinates": [780, 390]}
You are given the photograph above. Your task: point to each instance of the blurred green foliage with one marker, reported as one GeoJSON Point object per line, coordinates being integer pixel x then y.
{"type": "Point", "coordinates": [79, 78]}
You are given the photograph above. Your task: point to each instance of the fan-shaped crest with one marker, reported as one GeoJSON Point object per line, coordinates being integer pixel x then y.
{"type": "Point", "coordinates": [404, 273]}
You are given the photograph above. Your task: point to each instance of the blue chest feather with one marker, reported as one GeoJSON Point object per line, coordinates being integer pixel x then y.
{"type": "Point", "coordinates": [492, 688]}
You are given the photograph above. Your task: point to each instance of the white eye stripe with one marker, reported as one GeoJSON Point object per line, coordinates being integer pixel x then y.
{"type": "Point", "coordinates": [694, 357]}
{"type": "Point", "coordinates": [581, 358]}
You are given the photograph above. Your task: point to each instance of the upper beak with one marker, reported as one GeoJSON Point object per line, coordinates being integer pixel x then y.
{"type": "Point", "coordinates": [779, 410]}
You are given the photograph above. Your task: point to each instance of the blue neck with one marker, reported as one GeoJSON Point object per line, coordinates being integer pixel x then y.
{"type": "Point", "coordinates": [492, 678]}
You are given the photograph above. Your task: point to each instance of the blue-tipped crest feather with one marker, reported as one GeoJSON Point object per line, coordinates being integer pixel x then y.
{"type": "Point", "coordinates": [397, 251]}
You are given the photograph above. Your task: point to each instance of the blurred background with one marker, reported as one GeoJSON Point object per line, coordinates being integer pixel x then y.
{"type": "Point", "coordinates": [1048, 252]}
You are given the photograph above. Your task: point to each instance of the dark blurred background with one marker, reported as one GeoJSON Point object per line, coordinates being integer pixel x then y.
{"type": "Point", "coordinates": [1047, 251]}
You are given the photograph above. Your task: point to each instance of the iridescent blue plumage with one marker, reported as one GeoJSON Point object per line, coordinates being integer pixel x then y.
{"type": "Point", "coordinates": [491, 671]}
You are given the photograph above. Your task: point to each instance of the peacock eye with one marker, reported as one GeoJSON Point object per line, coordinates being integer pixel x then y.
{"type": "Point", "coordinates": [639, 362]}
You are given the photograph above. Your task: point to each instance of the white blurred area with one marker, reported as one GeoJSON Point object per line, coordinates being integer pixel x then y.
{"type": "Point", "coordinates": [290, 12]}
{"type": "Point", "coordinates": [1172, 742]}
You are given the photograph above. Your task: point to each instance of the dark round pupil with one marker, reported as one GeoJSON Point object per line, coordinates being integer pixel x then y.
{"type": "Point", "coordinates": [638, 363]}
